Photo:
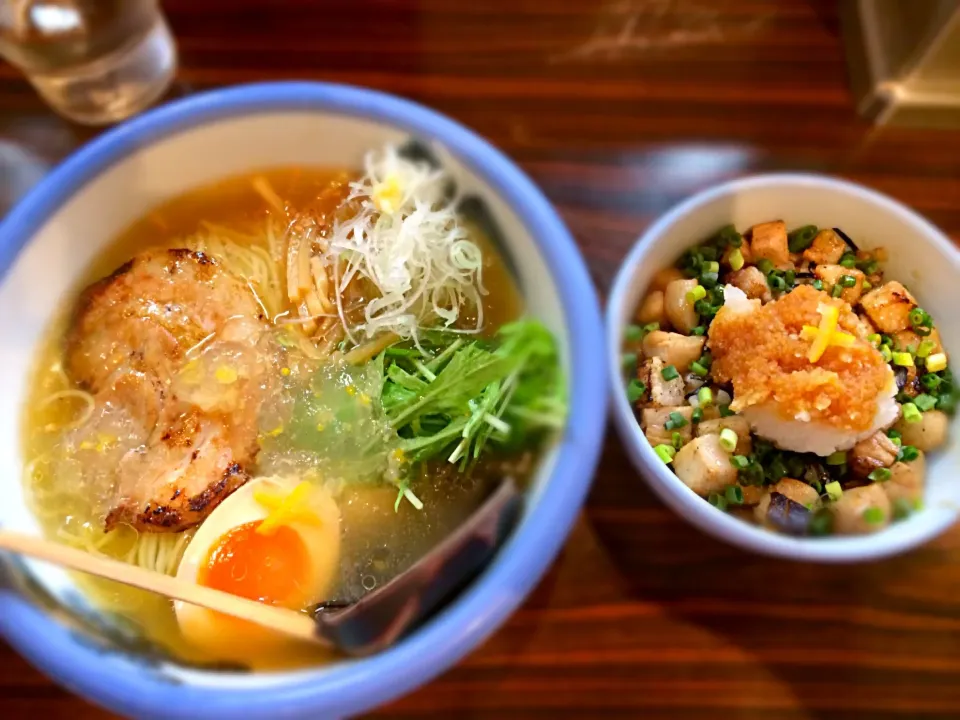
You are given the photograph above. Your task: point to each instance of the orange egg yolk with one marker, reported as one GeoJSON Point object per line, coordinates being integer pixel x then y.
{"type": "Point", "coordinates": [272, 568]}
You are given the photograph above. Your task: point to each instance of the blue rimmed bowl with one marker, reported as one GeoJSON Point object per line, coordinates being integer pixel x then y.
{"type": "Point", "coordinates": [55, 232]}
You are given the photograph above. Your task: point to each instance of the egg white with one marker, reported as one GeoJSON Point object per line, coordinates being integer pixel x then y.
{"type": "Point", "coordinates": [230, 638]}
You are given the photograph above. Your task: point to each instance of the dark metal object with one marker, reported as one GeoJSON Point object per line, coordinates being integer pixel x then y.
{"type": "Point", "coordinates": [379, 618]}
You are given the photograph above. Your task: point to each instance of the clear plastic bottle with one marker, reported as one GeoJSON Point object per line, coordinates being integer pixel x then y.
{"type": "Point", "coordinates": [94, 61]}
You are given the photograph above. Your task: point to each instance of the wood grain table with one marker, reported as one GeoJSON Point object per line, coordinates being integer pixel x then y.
{"type": "Point", "coordinates": [618, 109]}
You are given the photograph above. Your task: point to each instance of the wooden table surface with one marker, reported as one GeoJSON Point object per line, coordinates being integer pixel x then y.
{"type": "Point", "coordinates": [618, 109]}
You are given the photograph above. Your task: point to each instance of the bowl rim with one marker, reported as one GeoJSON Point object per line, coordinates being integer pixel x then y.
{"type": "Point", "coordinates": [122, 684]}
{"type": "Point", "coordinates": [671, 490]}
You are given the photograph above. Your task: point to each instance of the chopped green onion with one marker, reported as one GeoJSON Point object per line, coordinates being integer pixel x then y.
{"type": "Point", "coordinates": [821, 523]}
{"type": "Point", "coordinates": [669, 373]}
{"type": "Point", "coordinates": [698, 330]}
{"type": "Point", "coordinates": [705, 396]}
{"type": "Point", "coordinates": [709, 279]}
{"type": "Point", "coordinates": [896, 441]}
{"type": "Point", "coordinates": [904, 359]}
{"type": "Point", "coordinates": [874, 339]}
{"type": "Point", "coordinates": [834, 491]}
{"type": "Point", "coordinates": [699, 369]}
{"type": "Point", "coordinates": [635, 391]}
{"type": "Point", "coordinates": [677, 440]}
{"type": "Point", "coordinates": [736, 260]}
{"type": "Point", "coordinates": [880, 475]}
{"type": "Point", "coordinates": [711, 267]}
{"type": "Point", "coordinates": [818, 284]}
{"type": "Point", "coordinates": [936, 363]}
{"type": "Point", "coordinates": [908, 453]}
{"type": "Point", "coordinates": [725, 411]}
{"type": "Point", "coordinates": [697, 415]}
{"type": "Point", "coordinates": [924, 402]}
{"type": "Point", "coordinates": [911, 413]}
{"type": "Point", "coordinates": [718, 501]}
{"type": "Point", "coordinates": [728, 440]}
{"type": "Point", "coordinates": [885, 353]}
{"type": "Point", "coordinates": [790, 277]}
{"type": "Point", "coordinates": [706, 359]}
{"type": "Point", "coordinates": [649, 328]}
{"type": "Point", "coordinates": [901, 508]}
{"type": "Point", "coordinates": [734, 495]}
{"type": "Point", "coordinates": [836, 291]}
{"type": "Point", "coordinates": [633, 333]}
{"type": "Point", "coordinates": [837, 458]}
{"type": "Point", "coordinates": [677, 419]}
{"type": "Point", "coordinates": [925, 348]}
{"type": "Point", "coordinates": [848, 260]}
{"type": "Point", "coordinates": [740, 461]}
{"type": "Point", "coordinates": [894, 434]}
{"type": "Point", "coordinates": [629, 360]}
{"type": "Point", "coordinates": [867, 285]}
{"type": "Point", "coordinates": [873, 515]}
{"type": "Point", "coordinates": [764, 265]}
{"type": "Point", "coordinates": [699, 292]}
{"type": "Point", "coordinates": [869, 267]}
{"type": "Point", "coordinates": [665, 453]}
{"type": "Point", "coordinates": [800, 239]}
{"type": "Point", "coordinates": [847, 281]}
{"type": "Point", "coordinates": [919, 318]}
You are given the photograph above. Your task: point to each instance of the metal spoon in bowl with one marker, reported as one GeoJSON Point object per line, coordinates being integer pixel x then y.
{"type": "Point", "coordinates": [370, 624]}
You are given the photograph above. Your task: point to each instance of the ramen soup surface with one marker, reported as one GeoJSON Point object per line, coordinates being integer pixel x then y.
{"type": "Point", "coordinates": [265, 386]}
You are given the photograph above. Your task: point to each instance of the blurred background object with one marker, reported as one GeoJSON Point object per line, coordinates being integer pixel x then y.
{"type": "Point", "coordinates": [904, 58]}
{"type": "Point", "coordinates": [94, 61]}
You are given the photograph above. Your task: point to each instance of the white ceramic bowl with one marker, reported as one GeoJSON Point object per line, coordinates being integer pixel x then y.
{"type": "Point", "coordinates": [49, 238]}
{"type": "Point", "coordinates": [920, 255]}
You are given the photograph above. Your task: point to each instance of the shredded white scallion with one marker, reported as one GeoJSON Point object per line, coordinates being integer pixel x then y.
{"type": "Point", "coordinates": [405, 239]}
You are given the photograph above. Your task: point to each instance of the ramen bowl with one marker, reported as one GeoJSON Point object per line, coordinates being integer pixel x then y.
{"type": "Point", "coordinates": [48, 240]}
{"type": "Point", "coordinates": [919, 255]}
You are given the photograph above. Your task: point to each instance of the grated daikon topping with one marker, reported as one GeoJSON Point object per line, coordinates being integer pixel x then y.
{"type": "Point", "coordinates": [405, 239]}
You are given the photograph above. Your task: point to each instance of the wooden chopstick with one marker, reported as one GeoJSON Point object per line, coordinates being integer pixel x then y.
{"type": "Point", "coordinates": [288, 622]}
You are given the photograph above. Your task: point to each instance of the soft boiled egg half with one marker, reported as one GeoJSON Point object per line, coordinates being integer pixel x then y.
{"type": "Point", "coordinates": [276, 541]}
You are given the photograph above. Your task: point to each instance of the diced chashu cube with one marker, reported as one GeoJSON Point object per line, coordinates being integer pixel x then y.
{"type": "Point", "coordinates": [889, 306]}
{"type": "Point", "coordinates": [848, 511]}
{"type": "Point", "coordinates": [664, 393]}
{"type": "Point", "coordinates": [753, 494]}
{"type": "Point", "coordinates": [909, 339]}
{"type": "Point", "coordinates": [673, 348]}
{"type": "Point", "coordinates": [927, 434]}
{"type": "Point", "coordinates": [795, 490]}
{"type": "Point", "coordinates": [651, 309]}
{"type": "Point", "coordinates": [704, 466]}
{"type": "Point", "coordinates": [831, 274]}
{"type": "Point", "coordinates": [769, 240]}
{"type": "Point", "coordinates": [906, 481]}
{"type": "Point", "coordinates": [877, 451]}
{"type": "Point", "coordinates": [752, 282]}
{"type": "Point", "coordinates": [654, 420]}
{"type": "Point", "coordinates": [680, 311]}
{"type": "Point", "coordinates": [827, 249]}
{"type": "Point", "coordinates": [734, 422]}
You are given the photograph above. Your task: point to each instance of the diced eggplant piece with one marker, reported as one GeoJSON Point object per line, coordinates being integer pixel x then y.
{"type": "Point", "coordinates": [654, 420]}
{"type": "Point", "coordinates": [651, 309]}
{"type": "Point", "coordinates": [734, 422]}
{"type": "Point", "coordinates": [827, 249]}
{"type": "Point", "coordinates": [664, 277]}
{"type": "Point", "coordinates": [769, 240]}
{"type": "Point", "coordinates": [664, 393]}
{"type": "Point", "coordinates": [680, 311]}
{"type": "Point", "coordinates": [889, 306]}
{"type": "Point", "coordinates": [831, 274]}
{"type": "Point", "coordinates": [876, 451]}
{"type": "Point", "coordinates": [673, 348]}
{"type": "Point", "coordinates": [861, 510]}
{"type": "Point", "coordinates": [907, 481]}
{"type": "Point", "coordinates": [929, 433]}
{"type": "Point", "coordinates": [752, 282]}
{"type": "Point", "coordinates": [787, 506]}
{"type": "Point", "coordinates": [704, 466]}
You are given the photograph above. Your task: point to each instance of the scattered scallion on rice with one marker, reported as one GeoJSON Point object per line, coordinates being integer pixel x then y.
{"type": "Point", "coordinates": [880, 475]}
{"type": "Point", "coordinates": [665, 453]}
{"type": "Point", "coordinates": [669, 373]}
{"type": "Point", "coordinates": [833, 490]}
{"type": "Point", "coordinates": [911, 413]}
{"type": "Point", "coordinates": [873, 515]}
{"type": "Point", "coordinates": [734, 495]}
{"type": "Point", "coordinates": [728, 440]}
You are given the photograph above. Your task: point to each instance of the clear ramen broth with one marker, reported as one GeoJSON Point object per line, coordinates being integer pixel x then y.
{"type": "Point", "coordinates": [70, 443]}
